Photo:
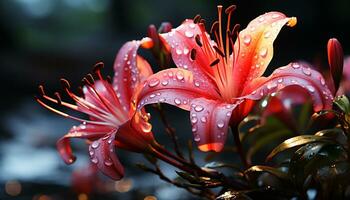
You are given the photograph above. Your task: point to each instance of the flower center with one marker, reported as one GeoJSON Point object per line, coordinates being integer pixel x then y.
{"type": "Point", "coordinates": [222, 54]}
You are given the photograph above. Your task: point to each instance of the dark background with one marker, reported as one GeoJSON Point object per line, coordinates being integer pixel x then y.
{"type": "Point", "coordinates": [44, 40]}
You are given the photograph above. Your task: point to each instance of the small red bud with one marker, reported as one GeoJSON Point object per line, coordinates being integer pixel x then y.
{"type": "Point", "coordinates": [336, 61]}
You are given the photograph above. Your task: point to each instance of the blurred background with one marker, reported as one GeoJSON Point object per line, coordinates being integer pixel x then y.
{"type": "Point", "coordinates": [44, 40]}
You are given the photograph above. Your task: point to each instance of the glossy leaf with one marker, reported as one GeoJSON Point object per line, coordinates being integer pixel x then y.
{"type": "Point", "coordinates": [294, 142]}
{"type": "Point", "coordinates": [252, 172]}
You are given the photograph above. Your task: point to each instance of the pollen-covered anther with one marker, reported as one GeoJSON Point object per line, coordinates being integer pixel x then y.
{"type": "Point", "coordinates": [197, 18]}
{"type": "Point", "coordinates": [65, 83]}
{"type": "Point", "coordinates": [215, 62]}
{"type": "Point", "coordinates": [85, 81]}
{"type": "Point", "coordinates": [230, 9]}
{"type": "Point", "coordinates": [193, 54]}
{"type": "Point", "coordinates": [41, 90]}
{"type": "Point", "coordinates": [202, 22]}
{"type": "Point", "coordinates": [219, 51]}
{"type": "Point", "coordinates": [198, 41]}
{"type": "Point", "coordinates": [292, 22]}
{"type": "Point", "coordinates": [214, 26]}
{"type": "Point", "coordinates": [90, 78]}
{"type": "Point", "coordinates": [58, 98]}
{"type": "Point", "coordinates": [98, 66]}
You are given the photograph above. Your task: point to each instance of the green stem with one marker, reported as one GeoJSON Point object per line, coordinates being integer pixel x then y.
{"type": "Point", "coordinates": [239, 146]}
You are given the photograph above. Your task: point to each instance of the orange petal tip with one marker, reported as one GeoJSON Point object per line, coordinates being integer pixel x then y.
{"type": "Point", "coordinates": [292, 22]}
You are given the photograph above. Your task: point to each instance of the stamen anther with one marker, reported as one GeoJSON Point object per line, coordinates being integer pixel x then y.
{"type": "Point", "coordinates": [214, 26]}
{"type": "Point", "coordinates": [193, 54]}
{"type": "Point", "coordinates": [90, 78]}
{"type": "Point", "coordinates": [41, 90]}
{"type": "Point", "coordinates": [215, 62]}
{"type": "Point", "coordinates": [198, 40]}
{"type": "Point", "coordinates": [98, 66]}
{"type": "Point", "coordinates": [230, 9]}
{"type": "Point", "coordinates": [109, 79]}
{"type": "Point", "coordinates": [65, 84]}
{"type": "Point", "coordinates": [219, 51]}
{"type": "Point", "coordinates": [196, 18]}
{"type": "Point", "coordinates": [58, 98]}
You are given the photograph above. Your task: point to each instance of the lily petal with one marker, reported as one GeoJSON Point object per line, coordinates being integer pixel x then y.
{"type": "Point", "coordinates": [86, 131]}
{"type": "Point", "coordinates": [181, 41]}
{"type": "Point", "coordinates": [173, 86]}
{"type": "Point", "coordinates": [102, 154]}
{"type": "Point", "coordinates": [254, 47]}
{"type": "Point", "coordinates": [130, 70]}
{"type": "Point", "coordinates": [294, 74]}
{"type": "Point", "coordinates": [210, 120]}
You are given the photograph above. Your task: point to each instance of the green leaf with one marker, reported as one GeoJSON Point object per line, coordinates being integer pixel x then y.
{"type": "Point", "coordinates": [215, 165]}
{"type": "Point", "coordinates": [294, 142]}
{"type": "Point", "coordinates": [343, 103]}
{"type": "Point", "coordinates": [307, 159]}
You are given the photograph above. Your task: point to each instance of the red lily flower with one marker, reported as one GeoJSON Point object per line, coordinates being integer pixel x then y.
{"type": "Point", "coordinates": [111, 115]}
{"type": "Point", "coordinates": [215, 78]}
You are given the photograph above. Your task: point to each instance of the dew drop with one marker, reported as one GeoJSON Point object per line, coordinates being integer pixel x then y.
{"type": "Point", "coordinates": [220, 124]}
{"type": "Point", "coordinates": [179, 75]}
{"type": "Point", "coordinates": [228, 114]}
{"type": "Point", "coordinates": [162, 100]}
{"type": "Point", "coordinates": [152, 96]}
{"type": "Point", "coordinates": [197, 138]}
{"type": "Point", "coordinates": [177, 101]}
{"type": "Point", "coordinates": [198, 108]}
{"type": "Point", "coordinates": [153, 82]}
{"type": "Point", "coordinates": [186, 51]}
{"type": "Point", "coordinates": [95, 144]}
{"type": "Point", "coordinates": [204, 119]}
{"type": "Point", "coordinates": [178, 51]}
{"type": "Point", "coordinates": [192, 25]}
{"type": "Point", "coordinates": [322, 81]}
{"type": "Point", "coordinates": [295, 65]}
{"type": "Point", "coordinates": [306, 71]}
{"type": "Point", "coordinates": [271, 85]}
{"type": "Point", "coordinates": [165, 82]}
{"type": "Point", "coordinates": [189, 34]}
{"type": "Point", "coordinates": [194, 129]}
{"type": "Point", "coordinates": [108, 162]}
{"type": "Point", "coordinates": [196, 83]}
{"type": "Point", "coordinates": [310, 88]}
{"type": "Point", "coordinates": [194, 120]}
{"type": "Point", "coordinates": [267, 34]}
{"type": "Point", "coordinates": [94, 160]}
{"type": "Point", "coordinates": [263, 52]}
{"type": "Point", "coordinates": [247, 39]}
{"type": "Point", "coordinates": [280, 80]}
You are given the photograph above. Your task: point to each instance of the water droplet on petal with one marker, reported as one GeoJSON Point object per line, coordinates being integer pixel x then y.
{"type": "Point", "coordinates": [194, 129]}
{"type": "Point", "coordinates": [306, 71]}
{"type": "Point", "coordinates": [220, 124]}
{"type": "Point", "coordinates": [280, 80]}
{"type": "Point", "coordinates": [204, 119]}
{"type": "Point", "coordinates": [310, 88]}
{"type": "Point", "coordinates": [263, 52]}
{"type": "Point", "coordinates": [198, 108]}
{"type": "Point", "coordinates": [192, 25]}
{"type": "Point", "coordinates": [94, 160]}
{"type": "Point", "coordinates": [271, 85]}
{"type": "Point", "coordinates": [189, 34]}
{"type": "Point", "coordinates": [247, 39]}
{"type": "Point", "coordinates": [95, 144]}
{"type": "Point", "coordinates": [108, 162]}
{"type": "Point", "coordinates": [194, 120]}
{"type": "Point", "coordinates": [196, 83]}
{"type": "Point", "coordinates": [165, 82]}
{"type": "Point", "coordinates": [177, 101]}
{"type": "Point", "coordinates": [178, 51]}
{"type": "Point", "coordinates": [186, 51]}
{"type": "Point", "coordinates": [267, 34]}
{"type": "Point", "coordinates": [179, 75]}
{"type": "Point", "coordinates": [323, 82]}
{"type": "Point", "coordinates": [197, 138]}
{"type": "Point", "coordinates": [295, 65]}
{"type": "Point", "coordinates": [153, 82]}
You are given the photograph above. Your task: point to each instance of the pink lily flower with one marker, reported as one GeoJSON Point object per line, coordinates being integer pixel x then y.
{"type": "Point", "coordinates": [218, 81]}
{"type": "Point", "coordinates": [112, 120]}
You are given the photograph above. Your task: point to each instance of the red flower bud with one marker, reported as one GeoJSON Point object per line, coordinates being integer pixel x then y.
{"type": "Point", "coordinates": [336, 61]}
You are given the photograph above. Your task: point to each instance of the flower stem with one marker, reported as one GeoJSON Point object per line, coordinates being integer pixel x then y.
{"type": "Point", "coordinates": [239, 146]}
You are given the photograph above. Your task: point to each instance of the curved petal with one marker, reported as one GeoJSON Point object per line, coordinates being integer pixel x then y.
{"type": "Point", "coordinates": [181, 41]}
{"type": "Point", "coordinates": [102, 154]}
{"type": "Point", "coordinates": [130, 70]}
{"type": "Point", "coordinates": [293, 74]}
{"type": "Point", "coordinates": [210, 120]}
{"type": "Point", "coordinates": [134, 139]}
{"type": "Point", "coordinates": [85, 131]}
{"type": "Point", "coordinates": [254, 47]}
{"type": "Point", "coordinates": [173, 86]}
